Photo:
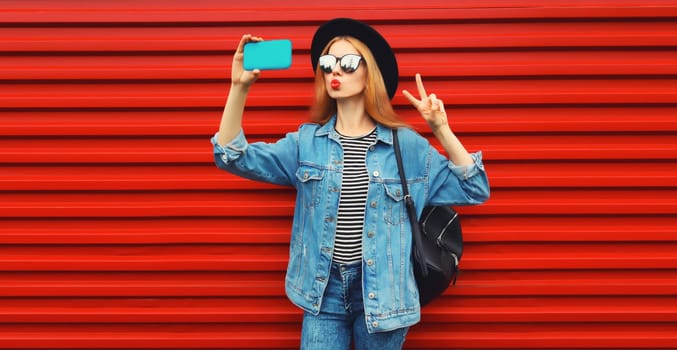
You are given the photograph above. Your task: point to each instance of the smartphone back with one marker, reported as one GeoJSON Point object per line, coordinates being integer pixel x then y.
{"type": "Point", "coordinates": [264, 55]}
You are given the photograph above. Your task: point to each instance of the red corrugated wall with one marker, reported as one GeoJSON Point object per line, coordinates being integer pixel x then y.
{"type": "Point", "coordinates": [117, 231]}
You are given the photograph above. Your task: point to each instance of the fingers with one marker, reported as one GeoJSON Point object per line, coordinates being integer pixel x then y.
{"type": "Point", "coordinates": [421, 91]}
{"type": "Point", "coordinates": [436, 104]}
{"type": "Point", "coordinates": [414, 101]}
{"type": "Point", "coordinates": [419, 85]}
{"type": "Point", "coordinates": [426, 102]}
{"type": "Point", "coordinates": [245, 39]}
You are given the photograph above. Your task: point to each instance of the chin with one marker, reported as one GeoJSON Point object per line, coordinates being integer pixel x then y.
{"type": "Point", "coordinates": [339, 95]}
{"type": "Point", "coordinates": [335, 94]}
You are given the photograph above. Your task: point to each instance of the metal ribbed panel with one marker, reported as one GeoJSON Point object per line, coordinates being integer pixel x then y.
{"type": "Point", "coordinates": [117, 231]}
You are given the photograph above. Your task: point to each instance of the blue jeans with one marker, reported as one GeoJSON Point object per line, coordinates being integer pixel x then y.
{"type": "Point", "coordinates": [341, 318]}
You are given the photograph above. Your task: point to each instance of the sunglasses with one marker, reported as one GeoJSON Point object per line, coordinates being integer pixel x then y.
{"type": "Point", "coordinates": [348, 63]}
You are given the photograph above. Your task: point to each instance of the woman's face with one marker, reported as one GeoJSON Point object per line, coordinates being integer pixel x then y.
{"type": "Point", "coordinates": [339, 84]}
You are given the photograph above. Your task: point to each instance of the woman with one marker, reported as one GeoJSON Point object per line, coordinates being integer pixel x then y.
{"type": "Point", "coordinates": [350, 266]}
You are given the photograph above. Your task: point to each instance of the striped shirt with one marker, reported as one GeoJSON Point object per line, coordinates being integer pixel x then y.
{"type": "Point", "coordinates": [354, 185]}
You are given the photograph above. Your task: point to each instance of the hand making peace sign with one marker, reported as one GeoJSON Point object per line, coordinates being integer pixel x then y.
{"type": "Point", "coordinates": [430, 107]}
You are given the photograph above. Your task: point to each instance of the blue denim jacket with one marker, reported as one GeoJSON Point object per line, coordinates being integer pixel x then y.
{"type": "Point", "coordinates": [310, 160]}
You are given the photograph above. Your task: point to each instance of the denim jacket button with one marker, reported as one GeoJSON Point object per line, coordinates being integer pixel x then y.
{"type": "Point", "coordinates": [373, 204]}
{"type": "Point", "coordinates": [370, 262]}
{"type": "Point", "coordinates": [371, 295]}
{"type": "Point", "coordinates": [371, 234]}
{"type": "Point", "coordinates": [374, 324]}
{"type": "Point", "coordinates": [376, 173]}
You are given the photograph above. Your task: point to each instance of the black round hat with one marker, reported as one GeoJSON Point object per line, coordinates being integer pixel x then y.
{"type": "Point", "coordinates": [384, 55]}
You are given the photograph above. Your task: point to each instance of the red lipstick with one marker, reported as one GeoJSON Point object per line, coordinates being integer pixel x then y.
{"type": "Point", "coordinates": [335, 84]}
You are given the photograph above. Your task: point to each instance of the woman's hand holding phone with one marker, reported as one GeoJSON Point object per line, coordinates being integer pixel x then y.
{"type": "Point", "coordinates": [241, 80]}
{"type": "Point", "coordinates": [240, 76]}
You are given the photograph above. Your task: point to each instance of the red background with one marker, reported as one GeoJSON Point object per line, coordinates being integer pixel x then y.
{"type": "Point", "coordinates": [117, 231]}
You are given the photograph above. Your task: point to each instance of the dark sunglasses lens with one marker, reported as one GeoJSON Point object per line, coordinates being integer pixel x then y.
{"type": "Point", "coordinates": [327, 63]}
{"type": "Point", "coordinates": [350, 63]}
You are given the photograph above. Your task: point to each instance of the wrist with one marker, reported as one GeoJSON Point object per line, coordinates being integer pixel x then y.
{"type": "Point", "coordinates": [441, 129]}
{"type": "Point", "coordinates": [240, 89]}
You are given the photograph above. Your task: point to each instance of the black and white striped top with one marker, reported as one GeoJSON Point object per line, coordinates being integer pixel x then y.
{"type": "Point", "coordinates": [352, 203]}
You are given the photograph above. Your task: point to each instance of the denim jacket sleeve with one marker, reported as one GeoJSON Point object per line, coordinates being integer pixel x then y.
{"type": "Point", "coordinates": [472, 179]}
{"type": "Point", "coordinates": [463, 185]}
{"type": "Point", "coordinates": [267, 162]}
{"type": "Point", "coordinates": [446, 182]}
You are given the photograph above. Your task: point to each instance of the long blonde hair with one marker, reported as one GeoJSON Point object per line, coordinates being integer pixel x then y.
{"type": "Point", "coordinates": [377, 101]}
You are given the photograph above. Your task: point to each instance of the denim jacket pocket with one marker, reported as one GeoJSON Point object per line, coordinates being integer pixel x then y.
{"type": "Point", "coordinates": [309, 183]}
{"type": "Point", "coordinates": [394, 206]}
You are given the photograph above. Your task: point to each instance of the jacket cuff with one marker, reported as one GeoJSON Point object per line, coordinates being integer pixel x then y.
{"type": "Point", "coordinates": [464, 172]}
{"type": "Point", "coordinates": [231, 151]}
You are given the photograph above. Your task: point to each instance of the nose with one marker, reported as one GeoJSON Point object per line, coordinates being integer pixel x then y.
{"type": "Point", "coordinates": [337, 70]}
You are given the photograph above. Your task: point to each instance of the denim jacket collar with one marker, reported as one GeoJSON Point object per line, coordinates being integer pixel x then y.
{"type": "Point", "coordinates": [383, 133]}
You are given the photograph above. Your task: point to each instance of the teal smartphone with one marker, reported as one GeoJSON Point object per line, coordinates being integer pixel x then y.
{"type": "Point", "coordinates": [267, 55]}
